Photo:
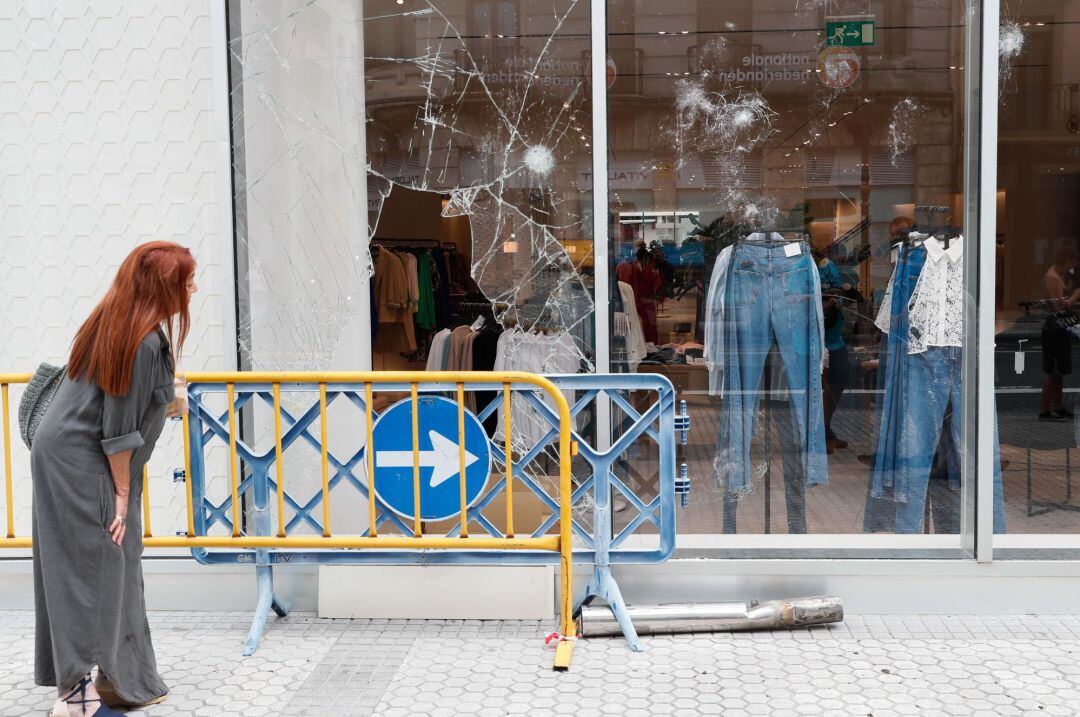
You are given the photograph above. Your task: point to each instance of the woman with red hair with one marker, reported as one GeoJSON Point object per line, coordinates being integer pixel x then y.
{"type": "Point", "coordinates": [86, 462]}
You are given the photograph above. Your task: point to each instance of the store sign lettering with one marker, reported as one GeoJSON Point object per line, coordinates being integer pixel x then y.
{"type": "Point", "coordinates": [622, 178]}
{"type": "Point", "coordinates": [771, 67]}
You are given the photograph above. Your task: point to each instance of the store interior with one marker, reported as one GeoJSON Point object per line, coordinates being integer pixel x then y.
{"type": "Point", "coordinates": [852, 163]}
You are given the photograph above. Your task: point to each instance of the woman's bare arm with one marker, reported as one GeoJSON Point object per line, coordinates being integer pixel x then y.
{"type": "Point", "coordinates": [120, 467]}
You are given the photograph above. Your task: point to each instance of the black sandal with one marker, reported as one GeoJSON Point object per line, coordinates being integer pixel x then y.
{"type": "Point", "coordinates": [103, 709]}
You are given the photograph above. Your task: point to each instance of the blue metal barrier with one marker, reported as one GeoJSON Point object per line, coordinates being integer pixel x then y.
{"type": "Point", "coordinates": [596, 472]}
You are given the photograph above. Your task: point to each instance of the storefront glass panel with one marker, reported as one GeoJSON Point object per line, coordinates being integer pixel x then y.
{"type": "Point", "coordinates": [774, 167]}
{"type": "Point", "coordinates": [412, 193]}
{"type": "Point", "coordinates": [1038, 282]}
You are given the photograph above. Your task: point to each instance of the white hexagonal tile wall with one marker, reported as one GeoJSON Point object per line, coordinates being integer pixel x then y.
{"type": "Point", "coordinates": [106, 140]}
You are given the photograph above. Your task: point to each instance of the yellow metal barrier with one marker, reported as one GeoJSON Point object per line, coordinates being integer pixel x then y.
{"type": "Point", "coordinates": [561, 543]}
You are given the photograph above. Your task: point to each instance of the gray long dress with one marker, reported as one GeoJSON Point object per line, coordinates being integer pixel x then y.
{"type": "Point", "coordinates": [88, 592]}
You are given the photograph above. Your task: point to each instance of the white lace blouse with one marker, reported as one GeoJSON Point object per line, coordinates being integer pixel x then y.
{"type": "Point", "coordinates": [936, 311]}
{"type": "Point", "coordinates": [936, 308]}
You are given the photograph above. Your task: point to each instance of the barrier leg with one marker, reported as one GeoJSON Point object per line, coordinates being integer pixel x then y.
{"type": "Point", "coordinates": [264, 577]}
{"type": "Point", "coordinates": [279, 607]}
{"type": "Point", "coordinates": [603, 586]}
{"type": "Point", "coordinates": [564, 649]}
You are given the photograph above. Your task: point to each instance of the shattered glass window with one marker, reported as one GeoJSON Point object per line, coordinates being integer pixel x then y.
{"type": "Point", "coordinates": [767, 163]}
{"type": "Point", "coordinates": [413, 192]}
{"type": "Point", "coordinates": [477, 142]}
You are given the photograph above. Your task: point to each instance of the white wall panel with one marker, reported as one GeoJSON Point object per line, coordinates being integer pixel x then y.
{"type": "Point", "coordinates": [107, 131]}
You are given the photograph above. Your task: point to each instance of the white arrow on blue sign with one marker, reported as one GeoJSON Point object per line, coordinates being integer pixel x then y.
{"type": "Point", "coordinates": [440, 462]}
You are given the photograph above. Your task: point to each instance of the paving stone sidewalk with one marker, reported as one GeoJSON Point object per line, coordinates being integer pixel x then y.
{"type": "Point", "coordinates": [870, 666]}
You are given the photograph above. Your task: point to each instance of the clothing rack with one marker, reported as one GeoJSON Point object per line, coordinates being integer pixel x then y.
{"type": "Point", "coordinates": [407, 243]}
{"type": "Point", "coordinates": [769, 241]}
{"type": "Point", "coordinates": [473, 307]}
{"type": "Point", "coordinates": [945, 233]}
{"type": "Point", "coordinates": [1042, 304]}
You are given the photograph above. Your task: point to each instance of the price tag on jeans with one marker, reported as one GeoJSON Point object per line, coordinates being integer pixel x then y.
{"type": "Point", "coordinates": [792, 249]}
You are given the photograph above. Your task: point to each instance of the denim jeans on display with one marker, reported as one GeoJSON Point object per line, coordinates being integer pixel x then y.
{"type": "Point", "coordinates": [932, 384]}
{"type": "Point", "coordinates": [891, 377]}
{"type": "Point", "coordinates": [787, 438]}
{"type": "Point", "coordinates": [943, 495]}
{"type": "Point", "coordinates": [771, 297]}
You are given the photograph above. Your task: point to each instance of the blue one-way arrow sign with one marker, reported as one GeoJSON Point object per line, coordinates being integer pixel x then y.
{"type": "Point", "coordinates": [440, 461]}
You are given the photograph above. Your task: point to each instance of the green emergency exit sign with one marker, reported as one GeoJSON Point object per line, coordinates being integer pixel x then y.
{"type": "Point", "coordinates": [849, 32]}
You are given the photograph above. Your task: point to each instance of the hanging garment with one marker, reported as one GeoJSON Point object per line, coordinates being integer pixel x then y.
{"type": "Point", "coordinates": [534, 353]}
{"type": "Point", "coordinates": [458, 339]}
{"type": "Point", "coordinates": [425, 310]}
{"type": "Point", "coordinates": [441, 276]}
{"type": "Point", "coordinates": [715, 326]}
{"type": "Point", "coordinates": [635, 337]}
{"type": "Point", "coordinates": [620, 327]}
{"type": "Point", "coordinates": [435, 359]}
{"type": "Point", "coordinates": [714, 321]}
{"type": "Point", "coordinates": [396, 333]}
{"type": "Point", "coordinates": [646, 281]}
{"type": "Point", "coordinates": [937, 309]}
{"type": "Point", "coordinates": [922, 313]}
{"type": "Point", "coordinates": [772, 295]}
{"type": "Point", "coordinates": [892, 319]}
{"type": "Point", "coordinates": [932, 385]}
{"type": "Point", "coordinates": [935, 298]}
{"type": "Point", "coordinates": [789, 443]}
{"type": "Point", "coordinates": [409, 261]}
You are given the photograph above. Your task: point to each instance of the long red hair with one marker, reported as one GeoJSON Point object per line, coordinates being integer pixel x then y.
{"type": "Point", "coordinates": [149, 290]}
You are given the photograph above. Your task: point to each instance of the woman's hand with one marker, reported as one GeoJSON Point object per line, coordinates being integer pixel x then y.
{"type": "Point", "coordinates": [178, 406]}
{"type": "Point", "coordinates": [118, 527]}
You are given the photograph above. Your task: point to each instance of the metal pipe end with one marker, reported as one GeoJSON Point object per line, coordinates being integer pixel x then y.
{"type": "Point", "coordinates": [821, 610]}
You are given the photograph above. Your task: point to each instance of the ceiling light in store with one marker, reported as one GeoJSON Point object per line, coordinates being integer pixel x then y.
{"type": "Point", "coordinates": [510, 246]}
{"type": "Point", "coordinates": [686, 32]}
{"type": "Point", "coordinates": [1040, 24]}
{"type": "Point", "coordinates": [662, 32]}
{"type": "Point", "coordinates": [400, 2]}
{"type": "Point", "coordinates": [832, 124]}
